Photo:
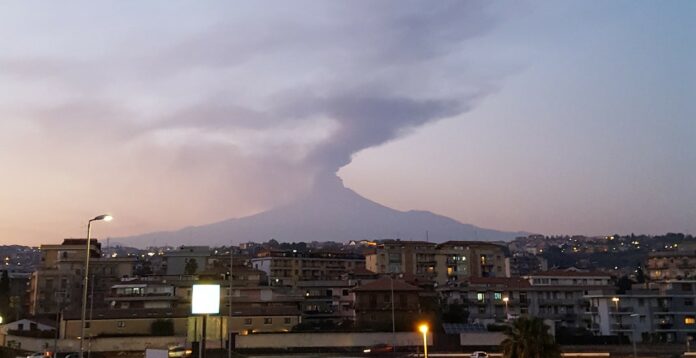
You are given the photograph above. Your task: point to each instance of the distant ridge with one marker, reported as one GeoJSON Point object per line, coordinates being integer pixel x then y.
{"type": "Point", "coordinates": [331, 212]}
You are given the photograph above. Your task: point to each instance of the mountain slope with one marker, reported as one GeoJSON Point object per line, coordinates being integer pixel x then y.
{"type": "Point", "coordinates": [330, 213]}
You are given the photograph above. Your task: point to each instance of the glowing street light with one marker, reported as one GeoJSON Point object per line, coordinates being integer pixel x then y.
{"type": "Point", "coordinates": [616, 302]}
{"type": "Point", "coordinates": [106, 218]}
{"type": "Point", "coordinates": [423, 328]}
{"type": "Point", "coordinates": [506, 300]}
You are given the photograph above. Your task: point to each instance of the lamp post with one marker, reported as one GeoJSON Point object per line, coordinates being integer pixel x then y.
{"type": "Point", "coordinates": [392, 314]}
{"type": "Point", "coordinates": [106, 218]}
{"type": "Point", "coordinates": [616, 302]}
{"type": "Point", "coordinates": [423, 328]}
{"type": "Point", "coordinates": [506, 300]}
{"type": "Point", "coordinates": [205, 300]}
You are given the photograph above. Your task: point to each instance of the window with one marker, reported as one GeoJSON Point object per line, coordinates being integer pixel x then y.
{"type": "Point", "coordinates": [641, 302]}
{"type": "Point", "coordinates": [120, 324]}
{"type": "Point", "coordinates": [480, 296]}
{"type": "Point", "coordinates": [498, 296]}
{"type": "Point", "coordinates": [403, 300]}
{"type": "Point", "coordinates": [482, 309]}
{"type": "Point", "coordinates": [689, 320]}
{"type": "Point", "coordinates": [387, 297]}
{"type": "Point", "coordinates": [688, 302]}
{"type": "Point", "coordinates": [287, 320]}
{"type": "Point", "coordinates": [345, 292]}
{"type": "Point", "coordinates": [373, 300]}
{"type": "Point", "coordinates": [88, 324]}
{"type": "Point", "coordinates": [247, 321]}
{"type": "Point", "coordinates": [268, 320]}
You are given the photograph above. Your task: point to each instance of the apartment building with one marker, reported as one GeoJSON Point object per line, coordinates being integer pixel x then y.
{"type": "Point", "coordinates": [136, 294]}
{"type": "Point", "coordinates": [330, 300]}
{"type": "Point", "coordinates": [56, 284]}
{"type": "Point", "coordinates": [664, 312]}
{"type": "Point", "coordinates": [185, 260]}
{"type": "Point", "coordinates": [446, 263]}
{"type": "Point", "coordinates": [287, 268]}
{"type": "Point", "coordinates": [671, 265]}
{"type": "Point", "coordinates": [554, 295]}
{"type": "Point", "coordinates": [375, 308]}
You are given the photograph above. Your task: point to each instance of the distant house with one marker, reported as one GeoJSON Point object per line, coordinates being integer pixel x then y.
{"type": "Point", "coordinates": [25, 326]}
{"type": "Point", "coordinates": [374, 304]}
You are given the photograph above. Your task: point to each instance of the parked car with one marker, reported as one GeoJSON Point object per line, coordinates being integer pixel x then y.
{"type": "Point", "coordinates": [37, 355]}
{"type": "Point", "coordinates": [179, 352]}
{"type": "Point", "coordinates": [479, 354]}
{"type": "Point", "coordinates": [378, 349]}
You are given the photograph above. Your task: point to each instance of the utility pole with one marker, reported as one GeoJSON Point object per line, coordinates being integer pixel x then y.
{"type": "Point", "coordinates": [391, 276]}
{"type": "Point", "coordinates": [229, 304]}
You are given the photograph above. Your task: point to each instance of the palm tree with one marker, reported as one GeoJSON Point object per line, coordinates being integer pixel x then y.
{"type": "Point", "coordinates": [529, 338]}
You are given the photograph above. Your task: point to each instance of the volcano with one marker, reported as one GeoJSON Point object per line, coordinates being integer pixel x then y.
{"type": "Point", "coordinates": [330, 212]}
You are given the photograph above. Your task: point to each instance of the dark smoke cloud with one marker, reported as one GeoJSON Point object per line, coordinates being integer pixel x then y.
{"type": "Point", "coordinates": [268, 100]}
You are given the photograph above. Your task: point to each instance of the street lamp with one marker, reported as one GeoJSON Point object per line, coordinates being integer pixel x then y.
{"type": "Point", "coordinates": [506, 300]}
{"type": "Point", "coordinates": [616, 302]}
{"type": "Point", "coordinates": [106, 218]}
{"type": "Point", "coordinates": [423, 328]}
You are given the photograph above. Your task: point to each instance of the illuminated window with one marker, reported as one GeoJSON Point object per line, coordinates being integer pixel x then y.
{"type": "Point", "coordinates": [498, 296]}
{"type": "Point", "coordinates": [479, 296]}
{"type": "Point", "coordinates": [689, 320]}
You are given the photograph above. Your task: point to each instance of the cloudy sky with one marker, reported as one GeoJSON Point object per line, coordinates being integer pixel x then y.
{"type": "Point", "coordinates": [550, 117]}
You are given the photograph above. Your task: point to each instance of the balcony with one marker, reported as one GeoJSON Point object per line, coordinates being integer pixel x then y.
{"type": "Point", "coordinates": [621, 326]}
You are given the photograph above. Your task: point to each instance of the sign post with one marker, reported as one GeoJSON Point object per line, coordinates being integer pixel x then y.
{"type": "Point", "coordinates": [205, 300]}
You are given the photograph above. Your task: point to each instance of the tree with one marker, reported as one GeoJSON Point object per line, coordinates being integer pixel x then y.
{"type": "Point", "coordinates": [529, 337]}
{"type": "Point", "coordinates": [4, 294]}
{"type": "Point", "coordinates": [191, 266]}
{"type": "Point", "coordinates": [640, 276]}
{"type": "Point", "coordinates": [623, 284]}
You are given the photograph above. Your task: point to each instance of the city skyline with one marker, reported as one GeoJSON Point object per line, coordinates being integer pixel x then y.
{"type": "Point", "coordinates": [570, 118]}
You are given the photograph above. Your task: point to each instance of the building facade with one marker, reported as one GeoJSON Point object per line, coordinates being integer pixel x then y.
{"type": "Point", "coordinates": [446, 263]}
{"type": "Point", "coordinates": [56, 285]}
{"type": "Point", "coordinates": [671, 265]}
{"type": "Point", "coordinates": [287, 268]}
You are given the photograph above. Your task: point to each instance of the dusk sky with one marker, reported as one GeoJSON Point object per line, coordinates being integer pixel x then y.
{"type": "Point", "coordinates": [553, 117]}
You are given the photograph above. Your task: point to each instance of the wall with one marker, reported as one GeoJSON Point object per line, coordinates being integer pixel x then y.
{"type": "Point", "coordinates": [97, 344]}
{"type": "Point", "coordinates": [481, 338]}
{"type": "Point", "coordinates": [286, 340]}
{"type": "Point", "coordinates": [135, 326]}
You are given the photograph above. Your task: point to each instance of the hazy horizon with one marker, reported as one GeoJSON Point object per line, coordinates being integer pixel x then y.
{"type": "Point", "coordinates": [553, 118]}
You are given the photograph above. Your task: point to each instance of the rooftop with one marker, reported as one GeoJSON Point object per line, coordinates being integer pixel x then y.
{"type": "Point", "coordinates": [385, 284]}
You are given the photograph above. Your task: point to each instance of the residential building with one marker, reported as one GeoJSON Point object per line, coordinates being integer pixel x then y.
{"type": "Point", "coordinates": [185, 260]}
{"type": "Point", "coordinates": [287, 268]}
{"type": "Point", "coordinates": [663, 312]}
{"type": "Point", "coordinates": [671, 265]}
{"type": "Point", "coordinates": [264, 319]}
{"type": "Point", "coordinates": [131, 322]}
{"type": "Point", "coordinates": [554, 295]}
{"type": "Point", "coordinates": [56, 284]}
{"type": "Point", "coordinates": [446, 263]}
{"type": "Point", "coordinates": [378, 302]}
{"type": "Point", "coordinates": [137, 294]}
{"type": "Point", "coordinates": [331, 300]}
{"type": "Point", "coordinates": [460, 260]}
